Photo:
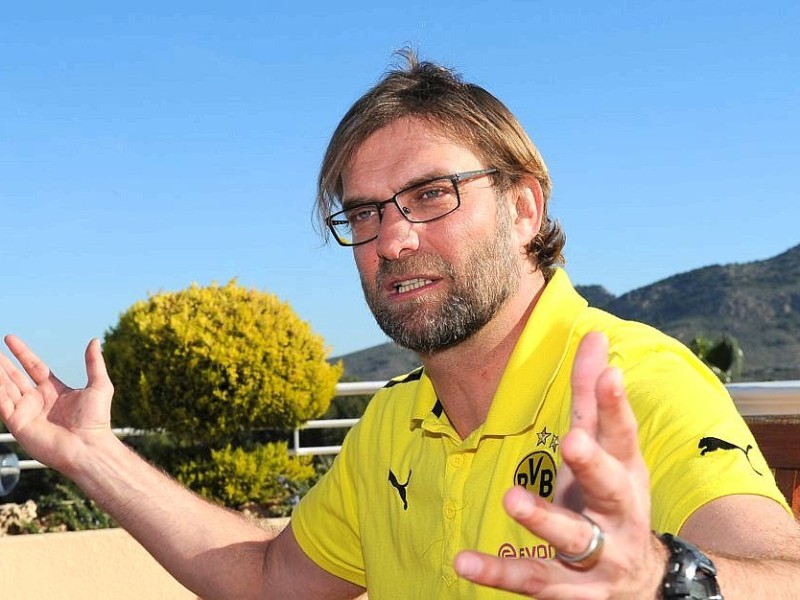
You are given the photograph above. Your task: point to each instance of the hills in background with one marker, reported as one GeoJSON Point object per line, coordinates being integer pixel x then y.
{"type": "Point", "coordinates": [758, 303]}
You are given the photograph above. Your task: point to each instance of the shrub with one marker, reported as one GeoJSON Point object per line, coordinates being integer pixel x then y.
{"type": "Point", "coordinates": [723, 356]}
{"type": "Point", "coordinates": [264, 476]}
{"type": "Point", "coordinates": [209, 363]}
{"type": "Point", "coordinates": [212, 368]}
{"type": "Point", "coordinates": [67, 509]}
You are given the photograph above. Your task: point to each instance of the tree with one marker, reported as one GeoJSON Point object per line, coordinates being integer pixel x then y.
{"type": "Point", "coordinates": [212, 368]}
{"type": "Point", "coordinates": [723, 356]}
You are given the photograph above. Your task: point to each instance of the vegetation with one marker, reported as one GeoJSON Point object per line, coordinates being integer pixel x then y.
{"type": "Point", "coordinates": [222, 375]}
{"type": "Point", "coordinates": [225, 373]}
{"type": "Point", "coordinates": [216, 363]}
{"type": "Point", "coordinates": [723, 356]}
{"type": "Point", "coordinates": [62, 508]}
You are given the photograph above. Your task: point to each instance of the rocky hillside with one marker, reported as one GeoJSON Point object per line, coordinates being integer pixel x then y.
{"type": "Point", "coordinates": [757, 302]}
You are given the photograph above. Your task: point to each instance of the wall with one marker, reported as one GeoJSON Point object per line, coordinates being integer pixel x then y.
{"type": "Point", "coordinates": [106, 564]}
{"type": "Point", "coordinates": [83, 565]}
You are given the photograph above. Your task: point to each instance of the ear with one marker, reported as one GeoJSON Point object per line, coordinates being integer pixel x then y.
{"type": "Point", "coordinates": [527, 207]}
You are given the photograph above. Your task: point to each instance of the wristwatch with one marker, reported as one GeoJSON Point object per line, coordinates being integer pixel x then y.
{"type": "Point", "coordinates": [690, 573]}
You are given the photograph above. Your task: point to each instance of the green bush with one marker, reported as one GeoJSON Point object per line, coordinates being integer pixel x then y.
{"type": "Point", "coordinates": [212, 368]}
{"type": "Point", "coordinates": [723, 356]}
{"type": "Point", "coordinates": [66, 508]}
{"type": "Point", "coordinates": [63, 508]}
{"type": "Point", "coordinates": [265, 476]}
{"type": "Point", "coordinates": [211, 362]}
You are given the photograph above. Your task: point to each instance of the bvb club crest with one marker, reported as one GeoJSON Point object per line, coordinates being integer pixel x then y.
{"type": "Point", "coordinates": [537, 471]}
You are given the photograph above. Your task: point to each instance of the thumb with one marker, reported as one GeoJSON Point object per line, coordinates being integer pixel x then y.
{"type": "Point", "coordinates": [96, 373]}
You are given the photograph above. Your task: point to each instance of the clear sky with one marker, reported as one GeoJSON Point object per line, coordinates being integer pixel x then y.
{"type": "Point", "coordinates": [146, 148]}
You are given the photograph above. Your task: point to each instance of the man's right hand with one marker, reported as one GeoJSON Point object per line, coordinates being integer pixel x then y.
{"type": "Point", "coordinates": [213, 551]}
{"type": "Point", "coordinates": [53, 422]}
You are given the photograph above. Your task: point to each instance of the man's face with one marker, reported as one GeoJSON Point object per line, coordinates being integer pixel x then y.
{"type": "Point", "coordinates": [431, 285]}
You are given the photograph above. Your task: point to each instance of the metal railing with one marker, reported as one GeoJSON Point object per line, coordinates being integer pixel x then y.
{"type": "Point", "coordinates": [357, 388]}
{"type": "Point", "coordinates": [751, 399]}
{"type": "Point", "coordinates": [25, 465]}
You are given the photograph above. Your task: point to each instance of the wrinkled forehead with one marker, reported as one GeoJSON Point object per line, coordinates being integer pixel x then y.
{"type": "Point", "coordinates": [403, 151]}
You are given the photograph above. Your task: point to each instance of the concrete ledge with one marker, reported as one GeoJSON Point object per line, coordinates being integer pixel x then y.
{"type": "Point", "coordinates": [89, 565]}
{"type": "Point", "coordinates": [83, 565]}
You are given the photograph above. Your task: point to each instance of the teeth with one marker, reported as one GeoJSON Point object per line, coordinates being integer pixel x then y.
{"type": "Point", "coordinates": [411, 284]}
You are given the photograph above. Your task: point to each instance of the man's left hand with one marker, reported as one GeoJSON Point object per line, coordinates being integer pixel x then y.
{"type": "Point", "coordinates": [604, 480]}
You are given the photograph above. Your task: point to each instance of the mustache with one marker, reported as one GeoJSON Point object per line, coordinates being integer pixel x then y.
{"type": "Point", "coordinates": [415, 263]}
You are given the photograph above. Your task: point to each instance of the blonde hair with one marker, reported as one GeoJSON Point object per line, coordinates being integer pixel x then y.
{"type": "Point", "coordinates": [463, 112]}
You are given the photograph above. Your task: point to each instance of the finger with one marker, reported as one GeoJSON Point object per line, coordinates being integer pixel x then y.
{"type": "Point", "coordinates": [17, 406]}
{"type": "Point", "coordinates": [617, 425]}
{"type": "Point", "coordinates": [590, 361]}
{"type": "Point", "coordinates": [604, 481]}
{"type": "Point", "coordinates": [566, 530]}
{"type": "Point", "coordinates": [13, 376]}
{"type": "Point", "coordinates": [520, 576]}
{"type": "Point", "coordinates": [9, 392]}
{"type": "Point", "coordinates": [96, 372]}
{"type": "Point", "coordinates": [33, 365]}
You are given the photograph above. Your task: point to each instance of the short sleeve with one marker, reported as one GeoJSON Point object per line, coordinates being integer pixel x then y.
{"type": "Point", "coordinates": [325, 523]}
{"type": "Point", "coordinates": [696, 445]}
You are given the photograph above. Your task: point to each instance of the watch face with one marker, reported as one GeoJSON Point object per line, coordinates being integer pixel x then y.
{"type": "Point", "coordinates": [690, 573]}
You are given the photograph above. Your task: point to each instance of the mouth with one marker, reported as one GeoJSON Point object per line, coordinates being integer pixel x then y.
{"type": "Point", "coordinates": [401, 287]}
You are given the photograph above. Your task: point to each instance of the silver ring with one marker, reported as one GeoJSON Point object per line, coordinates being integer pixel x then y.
{"type": "Point", "coordinates": [590, 556]}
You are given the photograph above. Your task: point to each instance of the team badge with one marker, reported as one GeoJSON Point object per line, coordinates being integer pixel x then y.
{"type": "Point", "coordinates": [536, 472]}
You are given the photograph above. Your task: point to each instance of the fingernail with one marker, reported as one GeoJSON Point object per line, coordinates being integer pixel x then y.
{"type": "Point", "coordinates": [467, 565]}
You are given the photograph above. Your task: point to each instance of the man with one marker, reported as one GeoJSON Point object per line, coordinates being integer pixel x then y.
{"type": "Point", "coordinates": [444, 200]}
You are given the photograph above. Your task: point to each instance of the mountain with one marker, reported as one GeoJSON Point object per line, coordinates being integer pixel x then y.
{"type": "Point", "coordinates": [758, 303]}
{"type": "Point", "coordinates": [378, 363]}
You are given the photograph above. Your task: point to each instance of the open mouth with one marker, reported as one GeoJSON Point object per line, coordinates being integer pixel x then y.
{"type": "Point", "coordinates": [411, 284]}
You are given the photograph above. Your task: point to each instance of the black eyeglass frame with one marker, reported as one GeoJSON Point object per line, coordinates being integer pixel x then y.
{"type": "Point", "coordinates": [380, 205]}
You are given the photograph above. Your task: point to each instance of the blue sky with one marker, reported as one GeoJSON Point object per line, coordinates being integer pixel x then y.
{"type": "Point", "coordinates": [143, 149]}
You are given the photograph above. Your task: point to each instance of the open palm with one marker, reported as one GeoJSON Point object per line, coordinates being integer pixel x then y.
{"type": "Point", "coordinates": [52, 421]}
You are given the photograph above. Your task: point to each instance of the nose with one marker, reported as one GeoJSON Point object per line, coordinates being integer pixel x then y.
{"type": "Point", "coordinates": [396, 234]}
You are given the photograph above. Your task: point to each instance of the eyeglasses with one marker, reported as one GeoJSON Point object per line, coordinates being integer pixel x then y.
{"type": "Point", "coordinates": [418, 203]}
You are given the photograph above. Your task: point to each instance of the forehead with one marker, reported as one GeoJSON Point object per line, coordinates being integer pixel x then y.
{"type": "Point", "coordinates": [405, 150]}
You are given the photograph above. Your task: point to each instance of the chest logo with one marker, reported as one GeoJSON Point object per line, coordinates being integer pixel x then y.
{"type": "Point", "coordinates": [400, 487]}
{"type": "Point", "coordinates": [537, 473]}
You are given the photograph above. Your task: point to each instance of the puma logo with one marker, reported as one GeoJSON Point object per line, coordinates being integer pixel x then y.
{"type": "Point", "coordinates": [712, 444]}
{"type": "Point", "coordinates": [400, 487]}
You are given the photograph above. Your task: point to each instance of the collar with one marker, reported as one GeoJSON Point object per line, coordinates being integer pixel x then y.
{"type": "Point", "coordinates": [542, 348]}
{"type": "Point", "coordinates": [537, 359]}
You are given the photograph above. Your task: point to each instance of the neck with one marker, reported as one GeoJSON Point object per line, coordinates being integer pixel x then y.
{"type": "Point", "coordinates": [467, 375]}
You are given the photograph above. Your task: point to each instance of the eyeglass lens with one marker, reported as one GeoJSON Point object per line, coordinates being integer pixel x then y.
{"type": "Point", "coordinates": [424, 202]}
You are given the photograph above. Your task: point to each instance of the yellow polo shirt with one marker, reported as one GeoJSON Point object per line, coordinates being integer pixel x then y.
{"type": "Point", "coordinates": [406, 494]}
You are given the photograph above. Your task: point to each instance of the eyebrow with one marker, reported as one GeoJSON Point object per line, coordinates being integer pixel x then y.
{"type": "Point", "coordinates": [423, 178]}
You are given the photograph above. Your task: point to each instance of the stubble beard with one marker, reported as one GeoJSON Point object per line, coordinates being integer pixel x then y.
{"type": "Point", "coordinates": [476, 290]}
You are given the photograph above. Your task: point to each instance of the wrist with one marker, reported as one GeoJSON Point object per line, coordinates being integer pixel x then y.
{"type": "Point", "coordinates": [689, 574]}
{"type": "Point", "coordinates": [96, 453]}
{"type": "Point", "coordinates": [662, 559]}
